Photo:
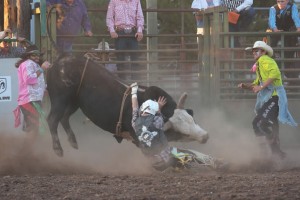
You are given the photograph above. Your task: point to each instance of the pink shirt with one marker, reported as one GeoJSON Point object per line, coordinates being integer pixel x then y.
{"type": "Point", "coordinates": [31, 87]}
{"type": "Point", "coordinates": [125, 13]}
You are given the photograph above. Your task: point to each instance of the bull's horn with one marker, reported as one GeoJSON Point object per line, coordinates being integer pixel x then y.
{"type": "Point", "coordinates": [167, 126]}
{"type": "Point", "coordinates": [181, 101]}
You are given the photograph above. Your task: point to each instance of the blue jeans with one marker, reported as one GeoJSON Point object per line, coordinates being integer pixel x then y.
{"type": "Point", "coordinates": [64, 45]}
{"type": "Point", "coordinates": [126, 42]}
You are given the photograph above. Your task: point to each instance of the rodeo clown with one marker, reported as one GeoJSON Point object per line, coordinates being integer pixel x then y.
{"type": "Point", "coordinates": [147, 122]}
{"type": "Point", "coordinates": [271, 103]}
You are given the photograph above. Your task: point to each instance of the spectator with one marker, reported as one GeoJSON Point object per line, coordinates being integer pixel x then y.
{"type": "Point", "coordinates": [6, 48]}
{"type": "Point", "coordinates": [125, 22]}
{"type": "Point", "coordinates": [53, 2]}
{"type": "Point", "coordinates": [31, 89]}
{"type": "Point", "coordinates": [4, 45]}
{"type": "Point", "coordinates": [244, 9]}
{"type": "Point", "coordinates": [105, 56]}
{"type": "Point", "coordinates": [72, 18]}
{"type": "Point", "coordinates": [201, 5]}
{"type": "Point", "coordinates": [246, 15]}
{"type": "Point", "coordinates": [271, 104]}
{"type": "Point", "coordinates": [6, 33]}
{"type": "Point", "coordinates": [284, 16]}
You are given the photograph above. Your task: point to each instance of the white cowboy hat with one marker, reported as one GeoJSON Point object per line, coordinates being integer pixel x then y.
{"type": "Point", "coordinates": [262, 45]}
{"type": "Point", "coordinates": [105, 45]}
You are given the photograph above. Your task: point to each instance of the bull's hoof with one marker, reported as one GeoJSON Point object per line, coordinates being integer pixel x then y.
{"type": "Point", "coordinates": [73, 144]}
{"type": "Point", "coordinates": [58, 150]}
{"type": "Point", "coordinates": [72, 141]}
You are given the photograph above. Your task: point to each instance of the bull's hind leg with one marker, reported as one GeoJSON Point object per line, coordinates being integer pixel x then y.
{"type": "Point", "coordinates": [66, 125]}
{"type": "Point", "coordinates": [53, 119]}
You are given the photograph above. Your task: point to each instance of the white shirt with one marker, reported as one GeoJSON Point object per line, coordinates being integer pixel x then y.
{"type": "Point", "coordinates": [246, 4]}
{"type": "Point", "coordinates": [202, 4]}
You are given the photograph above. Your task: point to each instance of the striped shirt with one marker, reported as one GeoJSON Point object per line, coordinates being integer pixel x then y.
{"type": "Point", "coordinates": [238, 5]}
{"type": "Point", "coordinates": [125, 13]}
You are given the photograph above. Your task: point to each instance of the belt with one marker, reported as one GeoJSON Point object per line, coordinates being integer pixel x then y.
{"type": "Point", "coordinates": [127, 30]}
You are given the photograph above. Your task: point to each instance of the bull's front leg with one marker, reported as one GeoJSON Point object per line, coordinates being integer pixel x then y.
{"type": "Point", "coordinates": [65, 122]}
{"type": "Point", "coordinates": [71, 136]}
{"type": "Point", "coordinates": [56, 145]}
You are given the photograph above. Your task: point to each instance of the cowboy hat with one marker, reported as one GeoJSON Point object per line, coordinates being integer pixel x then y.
{"type": "Point", "coordinates": [105, 45]}
{"type": "Point", "coordinates": [32, 49]}
{"type": "Point", "coordinates": [262, 45]}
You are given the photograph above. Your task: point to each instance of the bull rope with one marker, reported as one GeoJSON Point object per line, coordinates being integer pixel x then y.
{"type": "Point", "coordinates": [119, 123]}
{"type": "Point", "coordinates": [82, 76]}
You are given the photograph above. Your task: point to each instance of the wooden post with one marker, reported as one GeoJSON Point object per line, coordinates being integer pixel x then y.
{"type": "Point", "coordinates": [23, 18]}
{"type": "Point", "coordinates": [215, 21]}
{"type": "Point", "coordinates": [2, 16]}
{"type": "Point", "coordinates": [151, 42]}
{"type": "Point", "coordinates": [17, 16]}
{"type": "Point", "coordinates": [7, 14]}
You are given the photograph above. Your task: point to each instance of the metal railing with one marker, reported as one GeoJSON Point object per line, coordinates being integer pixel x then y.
{"type": "Point", "coordinates": [209, 69]}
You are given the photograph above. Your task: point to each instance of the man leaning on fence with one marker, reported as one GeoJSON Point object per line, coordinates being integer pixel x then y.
{"type": "Point", "coordinates": [284, 16]}
{"type": "Point", "coordinates": [244, 9]}
{"type": "Point", "coordinates": [125, 22]}
{"type": "Point", "coordinates": [245, 12]}
{"type": "Point", "coordinates": [7, 50]}
{"type": "Point", "coordinates": [72, 18]}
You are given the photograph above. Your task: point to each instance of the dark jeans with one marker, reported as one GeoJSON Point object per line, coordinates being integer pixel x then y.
{"type": "Point", "coordinates": [64, 45]}
{"type": "Point", "coordinates": [126, 42]}
{"type": "Point", "coordinates": [245, 19]}
{"type": "Point", "coordinates": [266, 123]}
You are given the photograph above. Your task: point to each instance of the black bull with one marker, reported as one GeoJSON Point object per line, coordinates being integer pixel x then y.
{"type": "Point", "coordinates": [80, 83]}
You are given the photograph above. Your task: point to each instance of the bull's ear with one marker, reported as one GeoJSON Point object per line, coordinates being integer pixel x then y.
{"type": "Point", "coordinates": [190, 111]}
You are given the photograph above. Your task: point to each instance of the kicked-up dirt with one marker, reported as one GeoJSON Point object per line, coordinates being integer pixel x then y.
{"type": "Point", "coordinates": [35, 172]}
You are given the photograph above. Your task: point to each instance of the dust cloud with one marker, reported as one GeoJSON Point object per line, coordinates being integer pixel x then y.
{"type": "Point", "coordinates": [98, 152]}
{"type": "Point", "coordinates": [231, 138]}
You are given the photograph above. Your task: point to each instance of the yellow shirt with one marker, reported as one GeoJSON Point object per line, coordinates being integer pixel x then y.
{"type": "Point", "coordinates": [267, 68]}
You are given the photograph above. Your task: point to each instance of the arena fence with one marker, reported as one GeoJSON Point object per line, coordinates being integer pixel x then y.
{"type": "Point", "coordinates": [208, 67]}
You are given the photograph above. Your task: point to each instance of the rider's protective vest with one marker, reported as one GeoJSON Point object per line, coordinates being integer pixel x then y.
{"type": "Point", "coordinates": [152, 140]}
{"type": "Point", "coordinates": [284, 21]}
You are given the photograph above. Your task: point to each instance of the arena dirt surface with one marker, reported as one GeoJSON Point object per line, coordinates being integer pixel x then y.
{"type": "Point", "coordinates": [30, 174]}
{"type": "Point", "coordinates": [104, 169]}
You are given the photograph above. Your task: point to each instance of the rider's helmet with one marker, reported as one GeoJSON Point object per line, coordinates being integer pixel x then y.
{"type": "Point", "coordinates": [150, 107]}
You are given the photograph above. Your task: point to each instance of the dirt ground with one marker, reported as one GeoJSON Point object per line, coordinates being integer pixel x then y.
{"type": "Point", "coordinates": [276, 185]}
{"type": "Point", "coordinates": [103, 169]}
{"type": "Point", "coordinates": [36, 173]}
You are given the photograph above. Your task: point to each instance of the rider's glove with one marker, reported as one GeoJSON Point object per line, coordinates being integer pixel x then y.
{"type": "Point", "coordinates": [134, 88]}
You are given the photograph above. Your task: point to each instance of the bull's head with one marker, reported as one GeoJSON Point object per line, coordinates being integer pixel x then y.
{"type": "Point", "coordinates": [183, 123]}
